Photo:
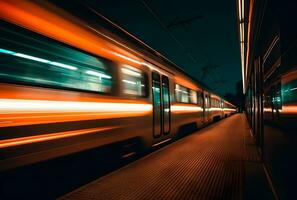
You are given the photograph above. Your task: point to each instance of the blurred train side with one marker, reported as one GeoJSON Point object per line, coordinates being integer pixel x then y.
{"type": "Point", "coordinates": [67, 87]}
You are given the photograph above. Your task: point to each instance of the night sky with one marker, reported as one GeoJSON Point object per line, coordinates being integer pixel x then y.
{"type": "Point", "coordinates": [206, 33]}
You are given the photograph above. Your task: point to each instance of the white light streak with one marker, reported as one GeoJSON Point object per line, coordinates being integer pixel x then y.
{"type": "Point", "coordinates": [131, 72]}
{"type": "Point", "coordinates": [38, 59]}
{"type": "Point", "coordinates": [63, 65]}
{"type": "Point", "coordinates": [242, 39]}
{"type": "Point", "coordinates": [129, 82]}
{"type": "Point", "coordinates": [216, 109]}
{"type": "Point", "coordinates": [7, 51]}
{"type": "Point", "coordinates": [39, 106]}
{"type": "Point", "coordinates": [31, 57]}
{"type": "Point", "coordinates": [229, 109]}
{"type": "Point", "coordinates": [186, 108]}
{"type": "Point", "coordinates": [94, 73]}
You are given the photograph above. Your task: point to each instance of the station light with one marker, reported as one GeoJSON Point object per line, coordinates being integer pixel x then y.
{"type": "Point", "coordinates": [242, 39]}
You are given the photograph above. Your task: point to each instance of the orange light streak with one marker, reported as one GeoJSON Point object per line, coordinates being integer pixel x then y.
{"type": "Point", "coordinates": [11, 91]}
{"type": "Point", "coordinates": [185, 109]}
{"type": "Point", "coordinates": [53, 136]}
{"type": "Point", "coordinates": [17, 112]}
{"type": "Point", "coordinates": [289, 109]}
{"type": "Point", "coordinates": [63, 27]}
{"type": "Point", "coordinates": [35, 106]}
{"type": "Point", "coordinates": [215, 97]}
{"type": "Point", "coordinates": [249, 29]}
{"type": "Point", "coordinates": [289, 77]}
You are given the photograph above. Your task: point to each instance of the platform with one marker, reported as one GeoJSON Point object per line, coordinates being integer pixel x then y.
{"type": "Point", "coordinates": [217, 162]}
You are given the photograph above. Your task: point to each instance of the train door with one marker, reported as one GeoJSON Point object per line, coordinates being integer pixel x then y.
{"type": "Point", "coordinates": [222, 108]}
{"type": "Point", "coordinates": [206, 107]}
{"type": "Point", "coordinates": [166, 105]}
{"type": "Point", "coordinates": [203, 106]}
{"type": "Point", "coordinates": [161, 105]}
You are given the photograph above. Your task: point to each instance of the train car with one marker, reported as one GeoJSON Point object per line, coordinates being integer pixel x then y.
{"type": "Point", "coordinates": [217, 110]}
{"type": "Point", "coordinates": [228, 108]}
{"type": "Point", "coordinates": [67, 87]}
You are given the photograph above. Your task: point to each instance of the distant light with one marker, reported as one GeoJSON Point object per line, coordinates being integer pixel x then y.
{"type": "Point", "coordinates": [31, 57]}
{"type": "Point", "coordinates": [166, 110]}
{"type": "Point", "coordinates": [94, 73]}
{"type": "Point", "coordinates": [63, 65]}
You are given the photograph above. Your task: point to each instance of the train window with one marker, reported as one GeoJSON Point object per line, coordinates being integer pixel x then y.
{"type": "Point", "coordinates": [133, 81]}
{"type": "Point", "coordinates": [215, 102]}
{"type": "Point", "coordinates": [166, 104]}
{"type": "Point", "coordinates": [181, 94]}
{"type": "Point", "coordinates": [193, 96]}
{"type": "Point", "coordinates": [200, 98]}
{"type": "Point", "coordinates": [222, 104]}
{"type": "Point", "coordinates": [32, 59]}
{"type": "Point", "coordinates": [178, 93]}
{"type": "Point", "coordinates": [157, 104]}
{"type": "Point", "coordinates": [207, 101]}
{"type": "Point", "coordinates": [212, 101]}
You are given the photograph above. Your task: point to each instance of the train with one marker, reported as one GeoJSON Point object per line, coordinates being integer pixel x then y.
{"type": "Point", "coordinates": [67, 86]}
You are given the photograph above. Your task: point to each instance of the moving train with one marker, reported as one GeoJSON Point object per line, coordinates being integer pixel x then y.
{"type": "Point", "coordinates": [69, 86]}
